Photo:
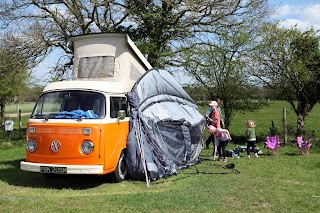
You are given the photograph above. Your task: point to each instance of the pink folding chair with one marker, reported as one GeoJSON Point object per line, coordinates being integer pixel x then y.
{"type": "Point", "coordinates": [308, 144]}
{"type": "Point", "coordinates": [300, 145]}
{"type": "Point", "coordinates": [273, 145]}
{"type": "Point", "coordinates": [304, 146]}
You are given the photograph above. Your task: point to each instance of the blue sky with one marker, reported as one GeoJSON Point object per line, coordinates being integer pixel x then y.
{"type": "Point", "coordinates": [304, 13]}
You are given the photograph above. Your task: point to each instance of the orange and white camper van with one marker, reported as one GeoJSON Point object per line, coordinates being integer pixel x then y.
{"type": "Point", "coordinates": [81, 126]}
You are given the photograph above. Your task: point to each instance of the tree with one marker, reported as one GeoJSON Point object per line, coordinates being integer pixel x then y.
{"type": "Point", "coordinates": [290, 65]}
{"type": "Point", "coordinates": [162, 29]}
{"type": "Point", "coordinates": [13, 76]}
{"type": "Point", "coordinates": [222, 67]}
{"type": "Point", "coordinates": [167, 29]}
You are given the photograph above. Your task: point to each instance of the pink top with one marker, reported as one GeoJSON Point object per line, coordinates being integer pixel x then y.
{"type": "Point", "coordinates": [216, 118]}
{"type": "Point", "coordinates": [223, 136]}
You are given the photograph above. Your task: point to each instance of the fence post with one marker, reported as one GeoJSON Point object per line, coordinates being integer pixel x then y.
{"type": "Point", "coordinates": [18, 108]}
{"type": "Point", "coordinates": [20, 134]}
{"type": "Point", "coordinates": [284, 122]}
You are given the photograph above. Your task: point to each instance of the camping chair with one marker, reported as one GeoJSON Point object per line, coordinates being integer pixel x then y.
{"type": "Point", "coordinates": [273, 145]}
{"type": "Point", "coordinates": [304, 146]}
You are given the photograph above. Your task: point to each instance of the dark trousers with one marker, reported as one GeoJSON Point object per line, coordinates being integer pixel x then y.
{"type": "Point", "coordinates": [209, 140]}
{"type": "Point", "coordinates": [251, 144]}
{"type": "Point", "coordinates": [222, 147]}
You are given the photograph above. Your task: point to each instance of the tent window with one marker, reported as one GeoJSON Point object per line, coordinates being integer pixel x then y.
{"type": "Point", "coordinates": [96, 67]}
{"type": "Point", "coordinates": [116, 104]}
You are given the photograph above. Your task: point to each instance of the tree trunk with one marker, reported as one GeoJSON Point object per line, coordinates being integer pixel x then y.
{"type": "Point", "coordinates": [300, 123]}
{"type": "Point", "coordinates": [2, 106]}
{"type": "Point", "coordinates": [227, 117]}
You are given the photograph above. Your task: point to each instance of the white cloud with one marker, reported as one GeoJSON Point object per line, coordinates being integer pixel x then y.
{"type": "Point", "coordinates": [284, 11]}
{"type": "Point", "coordinates": [305, 16]}
{"type": "Point", "coordinates": [311, 12]}
{"type": "Point", "coordinates": [303, 25]}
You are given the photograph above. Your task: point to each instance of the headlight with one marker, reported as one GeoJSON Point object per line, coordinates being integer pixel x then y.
{"type": "Point", "coordinates": [31, 145]}
{"type": "Point", "coordinates": [87, 147]}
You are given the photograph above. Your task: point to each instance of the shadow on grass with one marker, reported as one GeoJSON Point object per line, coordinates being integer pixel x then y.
{"type": "Point", "coordinates": [242, 140]}
{"type": "Point", "coordinates": [14, 176]}
{"type": "Point", "coordinates": [15, 135]}
{"type": "Point", "coordinates": [218, 169]}
{"type": "Point", "coordinates": [292, 154]}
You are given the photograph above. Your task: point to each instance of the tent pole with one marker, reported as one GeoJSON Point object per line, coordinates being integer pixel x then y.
{"type": "Point", "coordinates": [142, 156]}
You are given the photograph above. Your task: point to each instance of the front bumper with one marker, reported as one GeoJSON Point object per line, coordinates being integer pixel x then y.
{"type": "Point", "coordinates": [71, 169]}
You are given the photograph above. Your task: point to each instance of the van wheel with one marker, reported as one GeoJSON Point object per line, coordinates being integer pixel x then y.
{"type": "Point", "coordinates": [121, 171]}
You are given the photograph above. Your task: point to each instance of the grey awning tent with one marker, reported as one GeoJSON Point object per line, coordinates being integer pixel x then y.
{"type": "Point", "coordinates": [166, 127]}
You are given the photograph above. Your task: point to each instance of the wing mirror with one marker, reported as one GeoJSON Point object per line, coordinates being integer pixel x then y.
{"type": "Point", "coordinates": [121, 115]}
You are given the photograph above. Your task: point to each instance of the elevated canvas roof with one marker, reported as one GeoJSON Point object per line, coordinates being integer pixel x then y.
{"type": "Point", "coordinates": [111, 57]}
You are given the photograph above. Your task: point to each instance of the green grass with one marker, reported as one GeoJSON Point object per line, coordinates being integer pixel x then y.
{"type": "Point", "coordinates": [263, 119]}
{"type": "Point", "coordinates": [288, 183]}
{"type": "Point", "coordinates": [274, 111]}
{"type": "Point", "coordinates": [12, 109]}
{"type": "Point", "coordinates": [24, 122]}
{"type": "Point", "coordinates": [24, 107]}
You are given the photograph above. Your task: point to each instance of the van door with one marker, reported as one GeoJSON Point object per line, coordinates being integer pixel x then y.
{"type": "Point", "coordinates": [116, 131]}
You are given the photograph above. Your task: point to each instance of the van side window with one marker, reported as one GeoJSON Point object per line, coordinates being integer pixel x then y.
{"type": "Point", "coordinates": [116, 104]}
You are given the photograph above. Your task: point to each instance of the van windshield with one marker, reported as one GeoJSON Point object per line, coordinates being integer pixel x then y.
{"type": "Point", "coordinates": [70, 105]}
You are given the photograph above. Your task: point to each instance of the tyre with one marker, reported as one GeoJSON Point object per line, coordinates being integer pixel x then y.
{"type": "Point", "coordinates": [121, 171]}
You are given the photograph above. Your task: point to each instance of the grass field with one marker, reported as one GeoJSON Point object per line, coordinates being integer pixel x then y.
{"type": "Point", "coordinates": [287, 183]}
{"type": "Point", "coordinates": [24, 107]}
{"type": "Point", "coordinates": [264, 117]}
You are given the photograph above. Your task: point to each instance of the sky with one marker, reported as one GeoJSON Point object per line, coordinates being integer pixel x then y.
{"type": "Point", "coordinates": [304, 13]}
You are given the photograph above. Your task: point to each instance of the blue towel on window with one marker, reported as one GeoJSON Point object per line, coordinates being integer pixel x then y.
{"type": "Point", "coordinates": [78, 113]}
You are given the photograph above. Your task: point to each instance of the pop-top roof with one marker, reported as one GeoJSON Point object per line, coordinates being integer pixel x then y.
{"type": "Point", "coordinates": [110, 57]}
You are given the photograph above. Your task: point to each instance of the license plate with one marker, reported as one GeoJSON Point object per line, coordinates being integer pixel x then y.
{"type": "Point", "coordinates": [53, 169]}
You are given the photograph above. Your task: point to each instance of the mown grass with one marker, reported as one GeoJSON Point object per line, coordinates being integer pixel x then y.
{"type": "Point", "coordinates": [263, 119]}
{"type": "Point", "coordinates": [288, 183]}
{"type": "Point", "coordinates": [24, 107]}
